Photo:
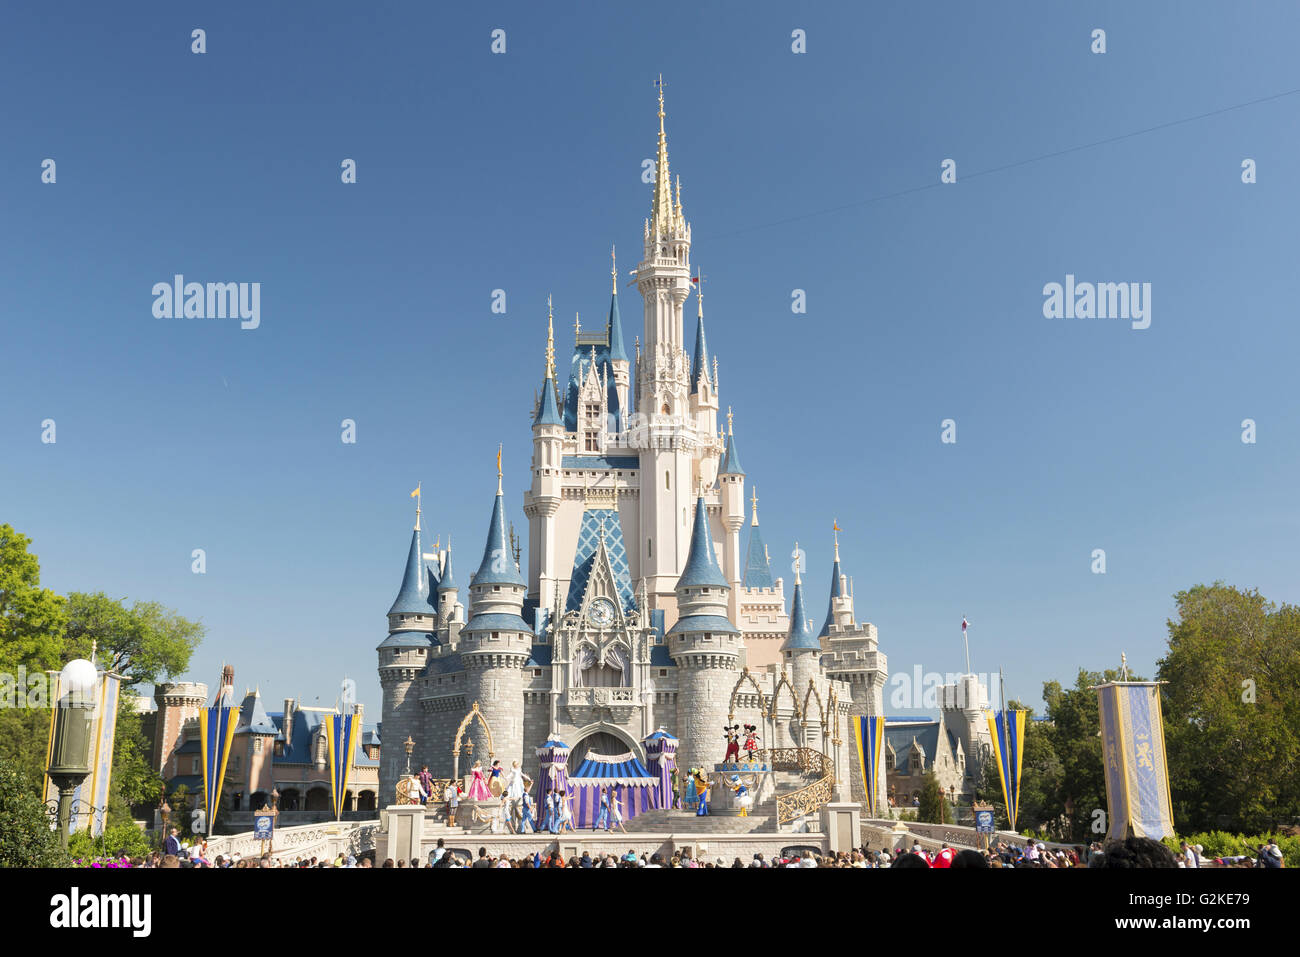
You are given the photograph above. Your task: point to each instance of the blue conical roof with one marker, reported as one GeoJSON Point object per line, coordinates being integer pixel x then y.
{"type": "Point", "coordinates": [498, 565]}
{"type": "Point", "coordinates": [548, 412]}
{"type": "Point", "coordinates": [413, 598]}
{"type": "Point", "coordinates": [801, 635]}
{"type": "Point", "coordinates": [836, 592]}
{"type": "Point", "coordinates": [448, 581]}
{"type": "Point", "coordinates": [253, 718]}
{"type": "Point", "coordinates": [731, 461]}
{"type": "Point", "coordinates": [700, 362]}
{"type": "Point", "coordinates": [617, 351]}
{"type": "Point", "coordinates": [758, 572]}
{"type": "Point", "coordinates": [701, 567]}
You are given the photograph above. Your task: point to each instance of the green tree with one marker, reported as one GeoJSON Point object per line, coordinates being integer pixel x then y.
{"type": "Point", "coordinates": [142, 643]}
{"type": "Point", "coordinates": [934, 806]}
{"type": "Point", "coordinates": [26, 839]}
{"type": "Point", "coordinates": [32, 618]}
{"type": "Point", "coordinates": [1232, 709]}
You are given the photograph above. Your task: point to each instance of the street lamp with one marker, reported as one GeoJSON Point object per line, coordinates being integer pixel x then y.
{"type": "Point", "coordinates": [70, 738]}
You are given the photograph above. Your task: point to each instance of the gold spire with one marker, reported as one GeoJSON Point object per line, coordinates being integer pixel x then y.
{"type": "Point", "coordinates": [498, 468]}
{"type": "Point", "coordinates": [550, 340]}
{"type": "Point", "coordinates": [678, 209]}
{"type": "Point", "coordinates": [416, 496]}
{"type": "Point", "coordinates": [753, 501]}
{"type": "Point", "coordinates": [835, 527]}
{"type": "Point", "coordinates": [662, 213]}
{"type": "Point", "coordinates": [613, 270]}
{"type": "Point", "coordinates": [729, 420]}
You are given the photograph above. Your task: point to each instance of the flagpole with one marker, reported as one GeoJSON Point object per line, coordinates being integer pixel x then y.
{"type": "Point", "coordinates": [966, 642]}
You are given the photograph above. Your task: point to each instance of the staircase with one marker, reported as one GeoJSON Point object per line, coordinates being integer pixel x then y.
{"type": "Point", "coordinates": [723, 819]}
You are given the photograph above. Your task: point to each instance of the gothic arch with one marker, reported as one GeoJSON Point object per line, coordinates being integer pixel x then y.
{"type": "Point", "coordinates": [614, 731]}
{"type": "Point", "coordinates": [784, 681]}
{"type": "Point", "coordinates": [474, 713]}
{"type": "Point", "coordinates": [814, 694]}
{"type": "Point", "coordinates": [731, 706]}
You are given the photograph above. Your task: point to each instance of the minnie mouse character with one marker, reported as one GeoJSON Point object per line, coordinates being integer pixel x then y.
{"type": "Point", "coordinates": [751, 741]}
{"type": "Point", "coordinates": [730, 732]}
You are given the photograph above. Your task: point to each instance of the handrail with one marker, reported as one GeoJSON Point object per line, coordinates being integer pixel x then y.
{"type": "Point", "coordinates": [808, 799]}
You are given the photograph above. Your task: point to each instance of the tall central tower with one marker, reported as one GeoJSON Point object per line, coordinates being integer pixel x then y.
{"type": "Point", "coordinates": [666, 433]}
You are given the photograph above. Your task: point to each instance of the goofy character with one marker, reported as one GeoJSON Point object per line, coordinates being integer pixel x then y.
{"type": "Point", "coordinates": [732, 733]}
{"type": "Point", "coordinates": [701, 793]}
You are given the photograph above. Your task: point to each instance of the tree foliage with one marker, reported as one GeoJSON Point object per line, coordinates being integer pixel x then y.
{"type": "Point", "coordinates": [142, 643]}
{"type": "Point", "coordinates": [934, 806]}
{"type": "Point", "coordinates": [1232, 709]}
{"type": "Point", "coordinates": [32, 618]}
{"type": "Point", "coordinates": [26, 839]}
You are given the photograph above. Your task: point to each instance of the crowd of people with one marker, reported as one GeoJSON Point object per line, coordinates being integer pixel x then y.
{"type": "Point", "coordinates": [1134, 852]}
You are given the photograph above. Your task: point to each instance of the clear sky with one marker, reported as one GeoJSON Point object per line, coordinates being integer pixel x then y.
{"type": "Point", "coordinates": [816, 171]}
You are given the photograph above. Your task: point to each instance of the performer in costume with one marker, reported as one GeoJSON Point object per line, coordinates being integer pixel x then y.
{"type": "Point", "coordinates": [733, 743]}
{"type": "Point", "coordinates": [744, 800]}
{"type": "Point", "coordinates": [701, 793]}
{"type": "Point", "coordinates": [566, 812]}
{"type": "Point", "coordinates": [751, 742]}
{"type": "Point", "coordinates": [688, 789]}
{"type": "Point", "coordinates": [602, 819]}
{"type": "Point", "coordinates": [515, 788]}
{"type": "Point", "coordinates": [615, 812]}
{"type": "Point", "coordinates": [478, 790]}
{"type": "Point", "coordinates": [495, 783]}
{"type": "Point", "coordinates": [674, 799]}
{"type": "Point", "coordinates": [527, 826]}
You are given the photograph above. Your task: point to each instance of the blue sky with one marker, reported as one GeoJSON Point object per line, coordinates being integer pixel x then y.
{"type": "Point", "coordinates": [517, 171]}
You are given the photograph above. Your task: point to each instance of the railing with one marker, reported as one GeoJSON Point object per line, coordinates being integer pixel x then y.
{"type": "Point", "coordinates": [808, 761]}
{"type": "Point", "coordinates": [308, 840]}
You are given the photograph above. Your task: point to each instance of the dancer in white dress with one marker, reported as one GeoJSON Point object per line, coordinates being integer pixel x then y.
{"type": "Point", "coordinates": [615, 811]}
{"type": "Point", "coordinates": [514, 793]}
{"type": "Point", "coordinates": [566, 813]}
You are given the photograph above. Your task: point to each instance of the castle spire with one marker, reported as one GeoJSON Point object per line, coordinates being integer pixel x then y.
{"type": "Point", "coordinates": [662, 213]}
{"type": "Point", "coordinates": [498, 468]}
{"type": "Point", "coordinates": [550, 340]}
{"type": "Point", "coordinates": [617, 351]}
{"type": "Point", "coordinates": [701, 567]}
{"type": "Point", "coordinates": [548, 411]}
{"type": "Point", "coordinates": [497, 566]}
{"type": "Point", "coordinates": [753, 501]}
{"type": "Point", "coordinates": [800, 636]}
{"type": "Point", "coordinates": [412, 597]}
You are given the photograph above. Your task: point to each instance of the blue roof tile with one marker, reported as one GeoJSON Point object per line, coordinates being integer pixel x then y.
{"type": "Point", "coordinates": [701, 568]}
{"type": "Point", "coordinates": [800, 636]}
{"type": "Point", "coordinates": [498, 565]}
{"type": "Point", "coordinates": [413, 597]}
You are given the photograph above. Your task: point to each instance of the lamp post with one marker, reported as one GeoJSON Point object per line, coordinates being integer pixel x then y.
{"type": "Point", "coordinates": [409, 745]}
{"type": "Point", "coordinates": [70, 737]}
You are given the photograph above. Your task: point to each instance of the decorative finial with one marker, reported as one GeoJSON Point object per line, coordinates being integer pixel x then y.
{"type": "Point", "coordinates": [753, 501]}
{"type": "Point", "coordinates": [729, 420]}
{"type": "Point", "coordinates": [550, 340]}
{"type": "Point", "coordinates": [577, 326]}
{"type": "Point", "coordinates": [416, 495]}
{"type": "Point", "coordinates": [797, 563]}
{"type": "Point", "coordinates": [636, 341]}
{"type": "Point", "coordinates": [835, 527]}
{"type": "Point", "coordinates": [498, 468]}
{"type": "Point", "coordinates": [613, 270]}
{"type": "Point", "coordinates": [715, 374]}
{"type": "Point", "coordinates": [699, 293]}
{"type": "Point", "coordinates": [1123, 666]}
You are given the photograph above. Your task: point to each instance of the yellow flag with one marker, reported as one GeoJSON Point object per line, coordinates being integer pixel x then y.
{"type": "Point", "coordinates": [416, 493]}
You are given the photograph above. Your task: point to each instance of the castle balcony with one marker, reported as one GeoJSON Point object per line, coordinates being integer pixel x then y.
{"type": "Point", "coordinates": [621, 703]}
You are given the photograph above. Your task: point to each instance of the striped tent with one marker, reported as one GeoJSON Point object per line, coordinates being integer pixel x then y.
{"type": "Point", "coordinates": [623, 774]}
{"type": "Point", "coordinates": [661, 756]}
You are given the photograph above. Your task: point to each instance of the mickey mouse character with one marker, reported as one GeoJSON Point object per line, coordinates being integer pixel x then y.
{"type": "Point", "coordinates": [731, 732]}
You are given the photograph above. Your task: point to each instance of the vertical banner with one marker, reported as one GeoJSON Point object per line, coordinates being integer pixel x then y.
{"type": "Point", "coordinates": [1133, 746]}
{"type": "Point", "coordinates": [869, 737]}
{"type": "Point", "coordinates": [90, 798]}
{"type": "Point", "coordinates": [341, 738]}
{"type": "Point", "coordinates": [216, 729]}
{"type": "Point", "coordinates": [1007, 729]}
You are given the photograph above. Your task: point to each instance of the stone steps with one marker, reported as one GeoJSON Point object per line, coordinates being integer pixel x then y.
{"type": "Point", "coordinates": [688, 822]}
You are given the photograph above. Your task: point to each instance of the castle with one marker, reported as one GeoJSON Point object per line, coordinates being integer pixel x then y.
{"type": "Point", "coordinates": [638, 610]}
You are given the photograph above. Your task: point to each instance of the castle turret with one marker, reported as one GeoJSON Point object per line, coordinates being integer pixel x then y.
{"type": "Point", "coordinates": [496, 641]}
{"type": "Point", "coordinates": [731, 483]}
{"type": "Point", "coordinates": [839, 612]}
{"type": "Point", "coordinates": [544, 497]}
{"type": "Point", "coordinates": [402, 656]}
{"type": "Point", "coordinates": [617, 351]}
{"type": "Point", "coordinates": [178, 702]}
{"type": "Point", "coordinates": [801, 651]}
{"type": "Point", "coordinates": [705, 646]}
{"type": "Point", "coordinates": [448, 589]}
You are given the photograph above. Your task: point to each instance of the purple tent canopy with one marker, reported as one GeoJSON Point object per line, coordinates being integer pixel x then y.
{"type": "Point", "coordinates": [625, 777]}
{"type": "Point", "coordinates": [553, 757]}
{"type": "Point", "coordinates": [661, 756]}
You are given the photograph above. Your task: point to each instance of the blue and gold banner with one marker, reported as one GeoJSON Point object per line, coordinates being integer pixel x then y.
{"type": "Point", "coordinates": [341, 737]}
{"type": "Point", "coordinates": [216, 729]}
{"type": "Point", "coordinates": [869, 738]}
{"type": "Point", "coordinates": [1007, 728]}
{"type": "Point", "coordinates": [1133, 746]}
